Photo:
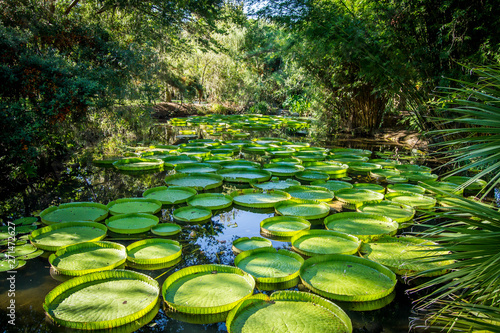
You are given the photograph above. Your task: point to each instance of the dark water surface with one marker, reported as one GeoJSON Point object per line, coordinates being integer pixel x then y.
{"type": "Point", "coordinates": [202, 244]}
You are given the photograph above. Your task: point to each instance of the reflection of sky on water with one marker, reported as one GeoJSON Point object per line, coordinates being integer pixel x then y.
{"type": "Point", "coordinates": [228, 226]}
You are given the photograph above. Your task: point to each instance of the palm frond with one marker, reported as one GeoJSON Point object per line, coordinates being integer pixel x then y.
{"type": "Point", "coordinates": [469, 125]}
{"type": "Point", "coordinates": [466, 298]}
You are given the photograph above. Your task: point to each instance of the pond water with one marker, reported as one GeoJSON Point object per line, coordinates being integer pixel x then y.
{"type": "Point", "coordinates": [202, 244]}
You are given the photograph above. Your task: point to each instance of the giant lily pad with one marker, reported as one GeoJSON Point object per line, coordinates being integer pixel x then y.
{"type": "Point", "coordinates": [134, 205]}
{"type": "Point", "coordinates": [320, 242]}
{"type": "Point", "coordinates": [268, 265]}
{"type": "Point", "coordinates": [347, 278]}
{"type": "Point", "coordinates": [102, 300]}
{"type": "Point", "coordinates": [277, 169]}
{"type": "Point", "coordinates": [53, 237]}
{"type": "Point", "coordinates": [196, 168]}
{"type": "Point", "coordinates": [211, 200]}
{"type": "Point", "coordinates": [332, 185]}
{"type": "Point", "coordinates": [88, 257]}
{"type": "Point", "coordinates": [310, 193]}
{"type": "Point", "coordinates": [284, 226]}
{"type": "Point", "coordinates": [417, 201]}
{"type": "Point", "coordinates": [351, 198]}
{"type": "Point", "coordinates": [197, 181]}
{"type": "Point", "coordinates": [244, 244]}
{"type": "Point", "coordinates": [166, 229]}
{"type": "Point", "coordinates": [74, 211]}
{"type": "Point", "coordinates": [305, 209]}
{"type": "Point", "coordinates": [407, 255]}
{"type": "Point", "coordinates": [395, 211]}
{"type": "Point", "coordinates": [192, 214]}
{"type": "Point", "coordinates": [369, 186]}
{"type": "Point", "coordinates": [256, 198]}
{"type": "Point", "coordinates": [170, 195]}
{"type": "Point", "coordinates": [362, 225]}
{"type": "Point", "coordinates": [240, 164]}
{"type": "Point", "coordinates": [405, 188]}
{"type": "Point", "coordinates": [275, 184]}
{"type": "Point", "coordinates": [153, 251]}
{"type": "Point", "coordinates": [138, 164]}
{"type": "Point", "coordinates": [330, 168]}
{"type": "Point", "coordinates": [243, 175]}
{"type": "Point", "coordinates": [287, 312]}
{"type": "Point", "coordinates": [363, 168]}
{"type": "Point", "coordinates": [133, 223]}
{"type": "Point", "coordinates": [311, 175]}
{"type": "Point", "coordinates": [207, 289]}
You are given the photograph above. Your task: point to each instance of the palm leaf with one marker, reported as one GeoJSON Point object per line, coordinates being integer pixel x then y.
{"type": "Point", "coordinates": [469, 126]}
{"type": "Point", "coordinates": [465, 298]}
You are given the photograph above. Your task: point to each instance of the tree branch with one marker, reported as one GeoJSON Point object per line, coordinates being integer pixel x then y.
{"type": "Point", "coordinates": [70, 7]}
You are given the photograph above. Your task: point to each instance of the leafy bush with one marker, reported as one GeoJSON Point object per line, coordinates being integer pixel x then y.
{"type": "Point", "coordinates": [260, 107]}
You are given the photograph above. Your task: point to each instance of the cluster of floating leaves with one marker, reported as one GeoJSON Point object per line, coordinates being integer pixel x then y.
{"type": "Point", "coordinates": [353, 260]}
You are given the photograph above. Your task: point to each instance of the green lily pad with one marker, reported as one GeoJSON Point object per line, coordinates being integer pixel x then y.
{"type": "Point", "coordinates": [74, 211]}
{"type": "Point", "coordinates": [133, 223]}
{"type": "Point", "coordinates": [347, 278]}
{"type": "Point", "coordinates": [134, 205]}
{"type": "Point", "coordinates": [330, 168]}
{"type": "Point", "coordinates": [418, 176]}
{"type": "Point", "coordinates": [395, 211]}
{"type": "Point", "coordinates": [153, 251]}
{"type": "Point", "coordinates": [88, 257]}
{"type": "Point", "coordinates": [407, 255]}
{"type": "Point", "coordinates": [192, 214]}
{"type": "Point", "coordinates": [368, 186]}
{"type": "Point", "coordinates": [102, 300]}
{"type": "Point", "coordinates": [288, 311]}
{"type": "Point", "coordinates": [319, 242]}
{"type": "Point", "coordinates": [207, 289]}
{"type": "Point", "coordinates": [244, 244]}
{"type": "Point", "coordinates": [362, 225]}
{"type": "Point", "coordinates": [243, 175]}
{"type": "Point", "coordinates": [173, 161]}
{"type": "Point", "coordinates": [317, 193]}
{"type": "Point", "coordinates": [350, 151]}
{"type": "Point", "coordinates": [166, 229]}
{"type": "Point", "coordinates": [240, 164]}
{"type": "Point", "coordinates": [275, 184]}
{"type": "Point", "coordinates": [380, 174]}
{"type": "Point", "coordinates": [332, 185]}
{"type": "Point", "coordinates": [277, 169]}
{"type": "Point", "coordinates": [351, 198]}
{"type": "Point", "coordinates": [196, 168]}
{"type": "Point", "coordinates": [22, 250]}
{"type": "Point", "coordinates": [363, 168]}
{"type": "Point", "coordinates": [414, 200]}
{"type": "Point", "coordinates": [197, 181]}
{"type": "Point", "coordinates": [211, 201]}
{"type": "Point", "coordinates": [256, 198]}
{"type": "Point", "coordinates": [11, 264]}
{"type": "Point", "coordinates": [138, 164]}
{"type": "Point", "coordinates": [25, 229]}
{"type": "Point", "coordinates": [305, 209]}
{"type": "Point", "coordinates": [170, 195]}
{"type": "Point", "coordinates": [25, 220]}
{"type": "Point", "coordinates": [386, 164]}
{"type": "Point", "coordinates": [53, 237]}
{"type": "Point", "coordinates": [268, 265]}
{"type": "Point", "coordinates": [413, 168]}
{"type": "Point", "coordinates": [284, 226]}
{"type": "Point", "coordinates": [405, 188]}
{"type": "Point", "coordinates": [311, 175]}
